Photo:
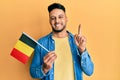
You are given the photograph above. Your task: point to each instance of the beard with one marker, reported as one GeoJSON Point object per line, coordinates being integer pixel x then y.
{"type": "Point", "coordinates": [60, 30]}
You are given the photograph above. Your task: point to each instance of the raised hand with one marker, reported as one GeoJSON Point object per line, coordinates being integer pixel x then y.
{"type": "Point", "coordinates": [80, 40]}
{"type": "Point", "coordinates": [48, 61]}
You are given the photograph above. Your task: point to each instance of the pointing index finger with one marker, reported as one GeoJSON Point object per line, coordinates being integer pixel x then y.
{"type": "Point", "coordinates": [79, 29]}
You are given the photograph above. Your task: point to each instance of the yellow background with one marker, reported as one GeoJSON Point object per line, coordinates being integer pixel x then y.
{"type": "Point", "coordinates": [100, 21]}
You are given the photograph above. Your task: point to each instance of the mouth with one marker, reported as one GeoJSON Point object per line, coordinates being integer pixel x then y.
{"type": "Point", "coordinates": [57, 25]}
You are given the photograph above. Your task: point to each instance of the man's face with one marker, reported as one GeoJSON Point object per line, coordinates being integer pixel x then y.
{"type": "Point", "coordinates": [58, 20]}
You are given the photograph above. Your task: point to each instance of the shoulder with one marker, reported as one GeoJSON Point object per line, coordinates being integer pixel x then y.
{"type": "Point", "coordinates": [70, 34]}
{"type": "Point", "coordinates": [44, 38]}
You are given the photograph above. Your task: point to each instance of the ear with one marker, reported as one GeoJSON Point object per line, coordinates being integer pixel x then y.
{"type": "Point", "coordinates": [66, 19]}
{"type": "Point", "coordinates": [49, 17]}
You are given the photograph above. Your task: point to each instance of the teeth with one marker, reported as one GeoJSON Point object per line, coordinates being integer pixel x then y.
{"type": "Point", "coordinates": [57, 25]}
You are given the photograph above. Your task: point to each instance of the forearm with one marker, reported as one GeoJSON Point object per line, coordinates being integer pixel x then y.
{"type": "Point", "coordinates": [86, 63]}
{"type": "Point", "coordinates": [37, 72]}
{"type": "Point", "coordinates": [36, 65]}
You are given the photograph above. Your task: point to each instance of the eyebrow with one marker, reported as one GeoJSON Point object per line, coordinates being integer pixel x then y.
{"type": "Point", "coordinates": [58, 15]}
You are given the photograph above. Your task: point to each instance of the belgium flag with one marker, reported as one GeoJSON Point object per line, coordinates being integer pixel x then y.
{"type": "Point", "coordinates": [24, 48]}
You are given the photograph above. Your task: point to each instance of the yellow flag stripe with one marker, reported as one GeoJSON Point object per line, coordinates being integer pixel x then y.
{"type": "Point", "coordinates": [24, 48]}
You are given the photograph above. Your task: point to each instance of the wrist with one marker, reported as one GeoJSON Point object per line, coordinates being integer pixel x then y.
{"type": "Point", "coordinates": [82, 50]}
{"type": "Point", "coordinates": [44, 69]}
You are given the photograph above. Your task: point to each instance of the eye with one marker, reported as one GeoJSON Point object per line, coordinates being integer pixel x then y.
{"type": "Point", "coordinates": [52, 18]}
{"type": "Point", "coordinates": [61, 16]}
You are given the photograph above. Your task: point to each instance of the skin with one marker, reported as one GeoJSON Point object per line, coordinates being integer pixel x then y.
{"type": "Point", "coordinates": [58, 21]}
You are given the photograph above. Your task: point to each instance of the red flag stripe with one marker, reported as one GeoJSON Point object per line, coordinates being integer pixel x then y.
{"type": "Point", "coordinates": [19, 55]}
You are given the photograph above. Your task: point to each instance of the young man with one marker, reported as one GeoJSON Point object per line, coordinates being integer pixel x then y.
{"type": "Point", "coordinates": [68, 56]}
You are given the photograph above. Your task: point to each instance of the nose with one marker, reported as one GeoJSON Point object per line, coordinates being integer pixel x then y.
{"type": "Point", "coordinates": [56, 20]}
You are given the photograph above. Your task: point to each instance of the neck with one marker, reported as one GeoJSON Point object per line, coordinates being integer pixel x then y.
{"type": "Point", "coordinates": [60, 34]}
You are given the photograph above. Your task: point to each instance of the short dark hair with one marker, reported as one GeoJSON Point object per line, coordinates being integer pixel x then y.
{"type": "Point", "coordinates": [56, 6]}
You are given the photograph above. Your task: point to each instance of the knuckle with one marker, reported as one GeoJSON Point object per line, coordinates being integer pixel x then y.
{"type": "Point", "coordinates": [52, 58]}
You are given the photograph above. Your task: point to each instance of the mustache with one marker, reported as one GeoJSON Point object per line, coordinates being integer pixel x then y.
{"type": "Point", "coordinates": [58, 23]}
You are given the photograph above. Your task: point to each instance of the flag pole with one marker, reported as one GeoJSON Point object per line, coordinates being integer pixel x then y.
{"type": "Point", "coordinates": [36, 42]}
